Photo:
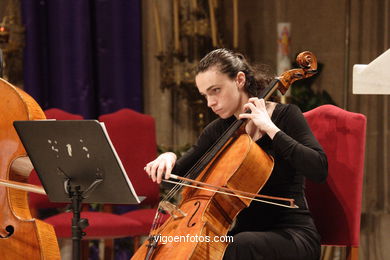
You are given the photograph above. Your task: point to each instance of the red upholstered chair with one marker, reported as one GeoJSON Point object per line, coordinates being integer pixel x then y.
{"type": "Point", "coordinates": [59, 114]}
{"type": "Point", "coordinates": [134, 137]}
{"type": "Point", "coordinates": [336, 204]}
{"type": "Point", "coordinates": [102, 225]}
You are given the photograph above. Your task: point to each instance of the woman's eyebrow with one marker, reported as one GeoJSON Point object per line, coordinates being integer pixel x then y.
{"type": "Point", "coordinates": [212, 86]}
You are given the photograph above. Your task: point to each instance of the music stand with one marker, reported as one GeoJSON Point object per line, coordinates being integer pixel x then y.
{"type": "Point", "coordinates": [76, 162]}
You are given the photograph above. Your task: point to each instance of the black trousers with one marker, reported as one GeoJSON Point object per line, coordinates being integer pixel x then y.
{"type": "Point", "coordinates": [285, 244]}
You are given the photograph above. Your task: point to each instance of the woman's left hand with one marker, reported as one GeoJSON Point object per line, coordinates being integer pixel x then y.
{"type": "Point", "coordinates": [260, 117]}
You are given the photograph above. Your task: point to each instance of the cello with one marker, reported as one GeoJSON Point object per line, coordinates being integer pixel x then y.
{"type": "Point", "coordinates": [21, 235]}
{"type": "Point", "coordinates": [224, 186]}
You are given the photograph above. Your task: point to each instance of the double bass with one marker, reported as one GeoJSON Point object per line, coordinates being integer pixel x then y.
{"type": "Point", "coordinates": [21, 235]}
{"type": "Point", "coordinates": [227, 179]}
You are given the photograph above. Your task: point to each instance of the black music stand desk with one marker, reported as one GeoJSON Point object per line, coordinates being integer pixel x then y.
{"type": "Point", "coordinates": [76, 163]}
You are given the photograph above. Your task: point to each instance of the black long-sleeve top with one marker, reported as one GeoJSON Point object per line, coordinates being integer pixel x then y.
{"type": "Point", "coordinates": [297, 155]}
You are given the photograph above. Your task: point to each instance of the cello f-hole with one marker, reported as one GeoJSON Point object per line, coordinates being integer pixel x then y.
{"type": "Point", "coordinates": [10, 229]}
{"type": "Point", "coordinates": [197, 205]}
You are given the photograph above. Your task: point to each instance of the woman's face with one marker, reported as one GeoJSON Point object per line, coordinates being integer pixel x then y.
{"type": "Point", "coordinates": [224, 95]}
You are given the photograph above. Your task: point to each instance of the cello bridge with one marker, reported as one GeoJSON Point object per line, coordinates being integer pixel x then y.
{"type": "Point", "coordinates": [172, 209]}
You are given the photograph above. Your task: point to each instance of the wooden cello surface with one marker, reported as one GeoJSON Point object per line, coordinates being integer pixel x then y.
{"type": "Point", "coordinates": [21, 236]}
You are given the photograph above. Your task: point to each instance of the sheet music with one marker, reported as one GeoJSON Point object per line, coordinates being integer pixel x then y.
{"type": "Point", "coordinates": [119, 161]}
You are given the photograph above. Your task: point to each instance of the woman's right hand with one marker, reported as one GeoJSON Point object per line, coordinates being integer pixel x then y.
{"type": "Point", "coordinates": [163, 164]}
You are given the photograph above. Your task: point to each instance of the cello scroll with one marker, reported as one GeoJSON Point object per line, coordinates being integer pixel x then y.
{"type": "Point", "coordinates": [308, 67]}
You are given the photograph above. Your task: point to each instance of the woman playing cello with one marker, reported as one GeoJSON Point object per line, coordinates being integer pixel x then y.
{"type": "Point", "coordinates": [262, 231]}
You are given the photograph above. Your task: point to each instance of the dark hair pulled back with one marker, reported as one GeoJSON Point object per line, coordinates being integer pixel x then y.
{"type": "Point", "coordinates": [230, 63]}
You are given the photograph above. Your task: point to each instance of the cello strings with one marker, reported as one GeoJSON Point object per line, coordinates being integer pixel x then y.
{"type": "Point", "coordinates": [156, 221]}
{"type": "Point", "coordinates": [158, 216]}
{"type": "Point", "coordinates": [192, 171]}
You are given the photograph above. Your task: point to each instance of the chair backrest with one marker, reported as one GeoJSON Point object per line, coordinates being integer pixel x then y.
{"type": "Point", "coordinates": [37, 201]}
{"type": "Point", "coordinates": [59, 114]}
{"type": "Point", "coordinates": [134, 137]}
{"type": "Point", "coordinates": [336, 204]}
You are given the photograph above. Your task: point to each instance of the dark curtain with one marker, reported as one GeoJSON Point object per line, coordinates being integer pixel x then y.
{"type": "Point", "coordinates": [83, 56]}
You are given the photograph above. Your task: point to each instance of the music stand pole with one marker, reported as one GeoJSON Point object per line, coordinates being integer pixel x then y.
{"type": "Point", "coordinates": [77, 224]}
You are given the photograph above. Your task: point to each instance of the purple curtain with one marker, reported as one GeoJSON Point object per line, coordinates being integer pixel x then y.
{"type": "Point", "coordinates": [83, 56]}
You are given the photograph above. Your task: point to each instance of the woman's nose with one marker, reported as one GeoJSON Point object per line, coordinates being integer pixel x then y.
{"type": "Point", "coordinates": [211, 101]}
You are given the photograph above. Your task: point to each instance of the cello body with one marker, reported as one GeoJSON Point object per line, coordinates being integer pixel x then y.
{"type": "Point", "coordinates": [209, 215]}
{"type": "Point", "coordinates": [21, 236]}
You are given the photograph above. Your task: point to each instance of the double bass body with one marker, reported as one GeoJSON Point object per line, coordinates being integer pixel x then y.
{"type": "Point", "coordinates": [209, 215]}
{"type": "Point", "coordinates": [21, 235]}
